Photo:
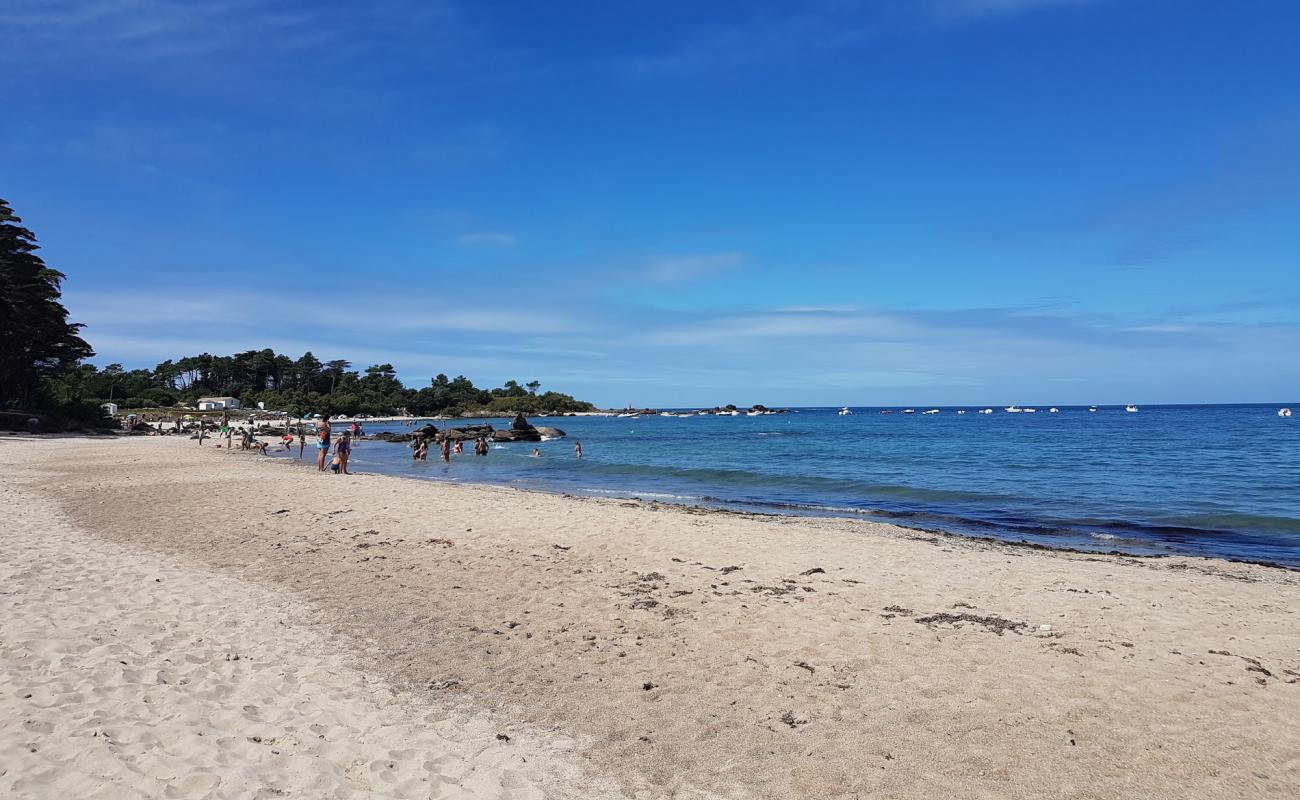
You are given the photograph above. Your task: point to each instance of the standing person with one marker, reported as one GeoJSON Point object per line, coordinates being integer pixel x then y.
{"type": "Point", "coordinates": [322, 443]}
{"type": "Point", "coordinates": [356, 429]}
{"type": "Point", "coordinates": [302, 438]}
{"type": "Point", "coordinates": [577, 449]}
{"type": "Point", "coordinates": [342, 450]}
{"type": "Point", "coordinates": [446, 451]}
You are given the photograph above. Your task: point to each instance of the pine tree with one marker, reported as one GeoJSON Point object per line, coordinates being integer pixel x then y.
{"type": "Point", "coordinates": [36, 339]}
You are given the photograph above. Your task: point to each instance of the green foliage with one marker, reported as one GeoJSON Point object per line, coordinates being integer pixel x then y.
{"type": "Point", "coordinates": [299, 387]}
{"type": "Point", "coordinates": [41, 365]}
{"type": "Point", "coordinates": [36, 339]}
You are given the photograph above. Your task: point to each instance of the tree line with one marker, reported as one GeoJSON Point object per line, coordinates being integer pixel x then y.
{"type": "Point", "coordinates": [299, 386]}
{"type": "Point", "coordinates": [43, 365]}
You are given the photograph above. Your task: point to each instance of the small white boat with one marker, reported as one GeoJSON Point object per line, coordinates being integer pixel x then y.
{"type": "Point", "coordinates": [1053, 411]}
{"type": "Point", "coordinates": [844, 412]}
{"type": "Point", "coordinates": [627, 416]}
{"type": "Point", "coordinates": [1012, 410]}
{"type": "Point", "coordinates": [1130, 408]}
{"type": "Point", "coordinates": [909, 411]}
{"type": "Point", "coordinates": [1284, 412]}
{"type": "Point", "coordinates": [731, 413]}
{"type": "Point", "coordinates": [961, 411]}
{"type": "Point", "coordinates": [1031, 411]}
{"type": "Point", "coordinates": [1092, 409]}
{"type": "Point", "coordinates": [986, 411]}
{"type": "Point", "coordinates": [753, 413]}
{"type": "Point", "coordinates": [931, 411]}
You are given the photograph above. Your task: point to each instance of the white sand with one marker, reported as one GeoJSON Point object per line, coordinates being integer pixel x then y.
{"type": "Point", "coordinates": [130, 675]}
{"type": "Point", "coordinates": [754, 657]}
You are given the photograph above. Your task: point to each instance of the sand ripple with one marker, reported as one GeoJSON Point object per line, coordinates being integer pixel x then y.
{"type": "Point", "coordinates": [125, 675]}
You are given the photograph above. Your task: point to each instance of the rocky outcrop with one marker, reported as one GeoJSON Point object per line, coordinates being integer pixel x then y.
{"type": "Point", "coordinates": [521, 430]}
{"type": "Point", "coordinates": [467, 433]}
{"type": "Point", "coordinates": [512, 435]}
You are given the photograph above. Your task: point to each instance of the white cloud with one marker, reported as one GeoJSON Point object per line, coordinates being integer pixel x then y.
{"type": "Point", "coordinates": [355, 310]}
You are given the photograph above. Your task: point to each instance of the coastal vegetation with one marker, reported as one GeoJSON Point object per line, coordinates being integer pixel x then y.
{"type": "Point", "coordinates": [37, 342]}
{"type": "Point", "coordinates": [302, 385]}
{"type": "Point", "coordinates": [43, 366]}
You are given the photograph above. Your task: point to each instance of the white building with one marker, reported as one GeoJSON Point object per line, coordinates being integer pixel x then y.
{"type": "Point", "coordinates": [217, 403]}
{"type": "Point", "coordinates": [110, 409]}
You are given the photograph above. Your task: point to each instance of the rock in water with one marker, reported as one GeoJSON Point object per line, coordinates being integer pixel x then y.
{"type": "Point", "coordinates": [530, 434]}
{"type": "Point", "coordinates": [521, 424]}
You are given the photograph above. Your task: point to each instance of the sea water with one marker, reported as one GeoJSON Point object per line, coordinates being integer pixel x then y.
{"type": "Point", "coordinates": [1199, 480]}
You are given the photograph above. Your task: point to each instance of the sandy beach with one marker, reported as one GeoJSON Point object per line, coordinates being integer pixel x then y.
{"type": "Point", "coordinates": [181, 621]}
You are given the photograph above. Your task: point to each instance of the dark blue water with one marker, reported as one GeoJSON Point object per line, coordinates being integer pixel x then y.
{"type": "Point", "coordinates": [1198, 480]}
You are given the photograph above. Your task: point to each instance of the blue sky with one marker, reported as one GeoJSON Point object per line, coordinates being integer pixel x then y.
{"type": "Point", "coordinates": [664, 203]}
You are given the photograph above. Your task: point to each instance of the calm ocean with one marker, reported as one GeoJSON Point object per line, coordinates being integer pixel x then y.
{"type": "Point", "coordinates": [1200, 480]}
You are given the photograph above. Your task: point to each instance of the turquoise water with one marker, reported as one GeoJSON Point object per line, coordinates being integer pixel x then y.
{"type": "Point", "coordinates": [1201, 480]}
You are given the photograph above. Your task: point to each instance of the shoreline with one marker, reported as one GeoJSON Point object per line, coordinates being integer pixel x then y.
{"type": "Point", "coordinates": [696, 653]}
{"type": "Point", "coordinates": [868, 517]}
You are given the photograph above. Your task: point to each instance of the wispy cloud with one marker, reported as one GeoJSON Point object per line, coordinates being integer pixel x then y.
{"type": "Point", "coordinates": [137, 31]}
{"type": "Point", "coordinates": [681, 269]}
{"type": "Point", "coordinates": [360, 313]}
{"type": "Point", "coordinates": [823, 28]}
{"type": "Point", "coordinates": [151, 29]}
{"type": "Point", "coordinates": [818, 28]}
{"type": "Point", "coordinates": [966, 10]}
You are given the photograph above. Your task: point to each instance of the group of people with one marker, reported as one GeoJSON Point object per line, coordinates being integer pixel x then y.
{"type": "Point", "coordinates": [332, 453]}
{"type": "Point", "coordinates": [342, 447]}
{"type": "Point", "coordinates": [447, 448]}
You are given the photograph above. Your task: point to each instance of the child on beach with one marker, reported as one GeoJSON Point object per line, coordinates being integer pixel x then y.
{"type": "Point", "coordinates": [341, 452]}
{"type": "Point", "coordinates": [286, 441]}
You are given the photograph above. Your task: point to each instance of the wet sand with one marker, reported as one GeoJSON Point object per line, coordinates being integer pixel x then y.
{"type": "Point", "coordinates": [673, 652]}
